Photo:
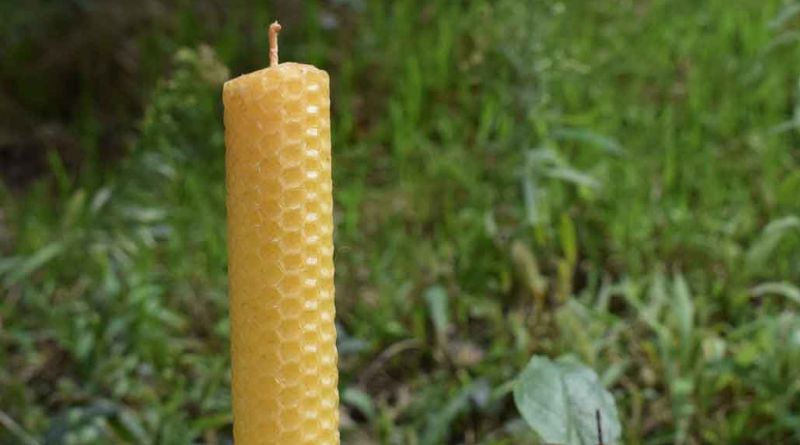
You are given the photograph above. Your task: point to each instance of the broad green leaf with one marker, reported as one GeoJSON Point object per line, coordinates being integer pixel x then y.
{"type": "Point", "coordinates": [560, 400]}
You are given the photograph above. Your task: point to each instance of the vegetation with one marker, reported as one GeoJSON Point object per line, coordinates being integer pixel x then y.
{"type": "Point", "coordinates": [616, 181]}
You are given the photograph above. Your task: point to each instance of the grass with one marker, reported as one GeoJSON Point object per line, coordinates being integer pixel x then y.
{"type": "Point", "coordinates": [612, 180]}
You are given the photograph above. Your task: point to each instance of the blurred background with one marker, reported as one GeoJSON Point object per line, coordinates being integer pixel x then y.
{"type": "Point", "coordinates": [616, 181]}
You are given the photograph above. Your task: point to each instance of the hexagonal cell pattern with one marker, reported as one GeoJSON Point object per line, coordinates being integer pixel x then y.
{"type": "Point", "coordinates": [280, 248]}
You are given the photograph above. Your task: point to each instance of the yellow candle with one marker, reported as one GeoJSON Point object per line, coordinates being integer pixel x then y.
{"type": "Point", "coordinates": [280, 255]}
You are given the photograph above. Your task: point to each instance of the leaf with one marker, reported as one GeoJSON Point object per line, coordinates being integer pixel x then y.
{"type": "Point", "coordinates": [527, 268]}
{"type": "Point", "coordinates": [573, 176]}
{"type": "Point", "coordinates": [568, 238]}
{"type": "Point", "coordinates": [684, 311]}
{"type": "Point", "coordinates": [559, 400]}
{"type": "Point", "coordinates": [770, 239]}
{"type": "Point", "coordinates": [591, 138]}
{"type": "Point", "coordinates": [73, 209]}
{"type": "Point", "coordinates": [783, 289]}
{"type": "Point", "coordinates": [359, 400]}
{"type": "Point", "coordinates": [436, 298]}
{"type": "Point", "coordinates": [130, 426]}
{"type": "Point", "coordinates": [548, 163]}
{"type": "Point", "coordinates": [785, 15]}
{"type": "Point", "coordinates": [100, 199]}
{"type": "Point", "coordinates": [211, 422]}
{"type": "Point", "coordinates": [531, 196]}
{"type": "Point", "coordinates": [24, 267]}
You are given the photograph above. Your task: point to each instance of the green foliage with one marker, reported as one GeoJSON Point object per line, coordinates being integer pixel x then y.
{"type": "Point", "coordinates": [511, 178]}
{"type": "Point", "coordinates": [565, 403]}
{"type": "Point", "coordinates": [113, 344]}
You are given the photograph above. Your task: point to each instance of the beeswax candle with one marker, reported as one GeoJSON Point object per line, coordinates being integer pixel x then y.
{"type": "Point", "coordinates": [280, 254]}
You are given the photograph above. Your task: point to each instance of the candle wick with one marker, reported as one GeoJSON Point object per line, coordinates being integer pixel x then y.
{"type": "Point", "coordinates": [274, 29]}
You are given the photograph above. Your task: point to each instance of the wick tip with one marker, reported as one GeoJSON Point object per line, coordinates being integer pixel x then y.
{"type": "Point", "coordinates": [274, 28]}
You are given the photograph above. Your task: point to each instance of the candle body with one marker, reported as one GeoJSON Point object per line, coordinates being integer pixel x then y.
{"type": "Point", "coordinates": [280, 254]}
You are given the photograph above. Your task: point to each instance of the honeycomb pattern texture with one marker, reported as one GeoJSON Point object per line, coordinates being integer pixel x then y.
{"type": "Point", "coordinates": [280, 247]}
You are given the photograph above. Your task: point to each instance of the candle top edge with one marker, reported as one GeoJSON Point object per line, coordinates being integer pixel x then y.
{"type": "Point", "coordinates": [284, 67]}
